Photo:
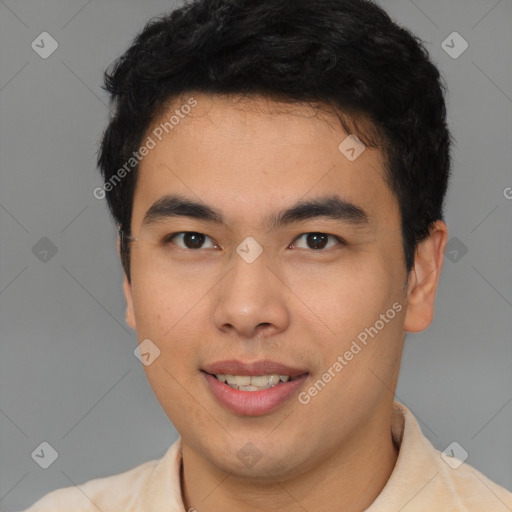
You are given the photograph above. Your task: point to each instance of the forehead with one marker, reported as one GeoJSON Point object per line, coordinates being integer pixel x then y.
{"type": "Point", "coordinates": [252, 156]}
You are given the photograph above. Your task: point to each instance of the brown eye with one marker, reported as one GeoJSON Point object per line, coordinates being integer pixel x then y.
{"type": "Point", "coordinates": [189, 239]}
{"type": "Point", "coordinates": [318, 241]}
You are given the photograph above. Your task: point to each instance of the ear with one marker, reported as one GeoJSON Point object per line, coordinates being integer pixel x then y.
{"type": "Point", "coordinates": [424, 278]}
{"type": "Point", "coordinates": [127, 288]}
{"type": "Point", "coordinates": [130, 315]}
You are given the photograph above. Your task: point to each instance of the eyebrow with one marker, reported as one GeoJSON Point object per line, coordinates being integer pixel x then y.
{"type": "Point", "coordinates": [332, 207]}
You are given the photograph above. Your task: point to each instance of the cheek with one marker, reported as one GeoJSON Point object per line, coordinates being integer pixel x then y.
{"type": "Point", "coordinates": [361, 312]}
{"type": "Point", "coordinates": [359, 363]}
{"type": "Point", "coordinates": [173, 321]}
{"type": "Point", "coordinates": [164, 302]}
{"type": "Point", "coordinates": [169, 319]}
{"type": "Point", "coordinates": [342, 300]}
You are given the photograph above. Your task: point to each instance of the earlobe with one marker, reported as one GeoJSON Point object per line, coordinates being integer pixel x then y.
{"type": "Point", "coordinates": [424, 278]}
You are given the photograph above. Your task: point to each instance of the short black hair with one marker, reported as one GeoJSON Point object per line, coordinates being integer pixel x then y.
{"type": "Point", "coordinates": [346, 54]}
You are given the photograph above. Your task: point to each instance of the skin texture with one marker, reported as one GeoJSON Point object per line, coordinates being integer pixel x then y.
{"type": "Point", "coordinates": [294, 304]}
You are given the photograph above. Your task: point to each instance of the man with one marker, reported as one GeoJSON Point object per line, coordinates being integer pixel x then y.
{"type": "Point", "coordinates": [277, 171]}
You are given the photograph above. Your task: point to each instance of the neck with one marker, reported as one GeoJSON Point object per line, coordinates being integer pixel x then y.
{"type": "Point", "coordinates": [353, 475]}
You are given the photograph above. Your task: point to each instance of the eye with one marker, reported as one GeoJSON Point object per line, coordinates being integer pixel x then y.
{"type": "Point", "coordinates": [317, 241]}
{"type": "Point", "coordinates": [190, 240]}
{"type": "Point", "coordinates": [193, 240]}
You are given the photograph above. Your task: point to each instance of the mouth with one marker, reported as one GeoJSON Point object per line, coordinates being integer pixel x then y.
{"type": "Point", "coordinates": [252, 383]}
{"type": "Point", "coordinates": [252, 389]}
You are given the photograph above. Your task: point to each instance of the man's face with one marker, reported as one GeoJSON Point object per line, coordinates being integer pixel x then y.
{"type": "Point", "coordinates": [304, 302]}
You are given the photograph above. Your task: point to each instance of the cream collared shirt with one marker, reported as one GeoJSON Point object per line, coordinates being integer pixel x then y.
{"type": "Point", "coordinates": [421, 481]}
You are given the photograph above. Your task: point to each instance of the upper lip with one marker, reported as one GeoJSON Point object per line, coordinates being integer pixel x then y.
{"type": "Point", "coordinates": [265, 367]}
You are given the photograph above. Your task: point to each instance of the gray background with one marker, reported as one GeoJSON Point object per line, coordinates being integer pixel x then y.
{"type": "Point", "coordinates": [68, 373]}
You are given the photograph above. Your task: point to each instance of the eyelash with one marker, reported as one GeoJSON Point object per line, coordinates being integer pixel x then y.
{"type": "Point", "coordinates": [168, 239]}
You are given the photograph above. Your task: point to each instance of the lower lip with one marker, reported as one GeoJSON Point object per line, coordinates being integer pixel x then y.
{"type": "Point", "coordinates": [253, 403]}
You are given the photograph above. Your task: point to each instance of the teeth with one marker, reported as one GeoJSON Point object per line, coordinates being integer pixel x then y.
{"type": "Point", "coordinates": [252, 383]}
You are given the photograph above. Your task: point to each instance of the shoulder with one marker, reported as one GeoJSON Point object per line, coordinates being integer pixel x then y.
{"type": "Point", "coordinates": [474, 490]}
{"type": "Point", "coordinates": [115, 493]}
{"type": "Point", "coordinates": [437, 479]}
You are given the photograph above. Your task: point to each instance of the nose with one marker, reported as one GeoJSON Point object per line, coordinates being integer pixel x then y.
{"type": "Point", "coordinates": [251, 300]}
